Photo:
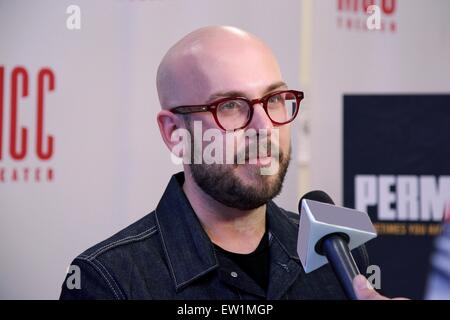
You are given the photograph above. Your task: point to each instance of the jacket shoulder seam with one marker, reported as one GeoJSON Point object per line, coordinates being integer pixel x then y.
{"type": "Point", "coordinates": [134, 238]}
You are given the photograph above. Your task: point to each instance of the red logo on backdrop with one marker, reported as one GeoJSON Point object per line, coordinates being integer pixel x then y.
{"type": "Point", "coordinates": [22, 145]}
{"type": "Point", "coordinates": [353, 15]}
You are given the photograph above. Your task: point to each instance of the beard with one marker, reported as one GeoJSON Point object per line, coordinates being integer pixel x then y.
{"type": "Point", "coordinates": [249, 191]}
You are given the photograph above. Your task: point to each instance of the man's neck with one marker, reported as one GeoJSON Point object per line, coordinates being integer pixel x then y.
{"type": "Point", "coordinates": [232, 229]}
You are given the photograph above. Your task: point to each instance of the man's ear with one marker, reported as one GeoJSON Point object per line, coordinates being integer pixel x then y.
{"type": "Point", "coordinates": [168, 124]}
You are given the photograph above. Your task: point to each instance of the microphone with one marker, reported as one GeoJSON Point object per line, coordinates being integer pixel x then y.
{"type": "Point", "coordinates": [327, 233]}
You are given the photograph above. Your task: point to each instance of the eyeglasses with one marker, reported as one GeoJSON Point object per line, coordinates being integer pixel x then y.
{"type": "Point", "coordinates": [234, 113]}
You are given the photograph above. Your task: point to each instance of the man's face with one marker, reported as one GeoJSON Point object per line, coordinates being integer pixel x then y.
{"type": "Point", "coordinates": [247, 69]}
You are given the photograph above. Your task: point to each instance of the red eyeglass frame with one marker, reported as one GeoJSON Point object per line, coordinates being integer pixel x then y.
{"type": "Point", "coordinates": [212, 107]}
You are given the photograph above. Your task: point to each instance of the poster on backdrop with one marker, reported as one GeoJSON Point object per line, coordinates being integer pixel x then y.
{"type": "Point", "coordinates": [396, 168]}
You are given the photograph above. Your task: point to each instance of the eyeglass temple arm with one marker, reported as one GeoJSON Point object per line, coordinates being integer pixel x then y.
{"type": "Point", "coordinates": [189, 109]}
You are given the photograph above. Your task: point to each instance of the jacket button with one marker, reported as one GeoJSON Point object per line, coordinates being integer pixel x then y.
{"type": "Point", "coordinates": [234, 274]}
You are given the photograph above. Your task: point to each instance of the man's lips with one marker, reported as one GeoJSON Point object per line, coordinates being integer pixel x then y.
{"type": "Point", "coordinates": [264, 161]}
{"type": "Point", "coordinates": [264, 153]}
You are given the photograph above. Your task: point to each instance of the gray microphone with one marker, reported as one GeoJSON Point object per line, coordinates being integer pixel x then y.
{"type": "Point", "coordinates": [327, 233]}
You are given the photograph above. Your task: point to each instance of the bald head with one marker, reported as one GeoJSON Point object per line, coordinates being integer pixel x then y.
{"type": "Point", "coordinates": [212, 60]}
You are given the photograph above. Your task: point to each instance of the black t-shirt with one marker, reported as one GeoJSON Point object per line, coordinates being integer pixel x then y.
{"type": "Point", "coordinates": [254, 264]}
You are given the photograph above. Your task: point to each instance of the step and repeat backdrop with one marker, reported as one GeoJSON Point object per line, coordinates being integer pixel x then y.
{"type": "Point", "coordinates": [81, 156]}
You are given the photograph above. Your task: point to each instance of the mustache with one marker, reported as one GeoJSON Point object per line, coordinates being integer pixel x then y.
{"type": "Point", "coordinates": [257, 148]}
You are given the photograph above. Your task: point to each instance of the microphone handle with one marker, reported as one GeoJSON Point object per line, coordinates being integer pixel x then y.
{"type": "Point", "coordinates": [336, 250]}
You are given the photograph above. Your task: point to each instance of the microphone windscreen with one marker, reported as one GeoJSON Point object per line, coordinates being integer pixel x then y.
{"type": "Point", "coordinates": [316, 195]}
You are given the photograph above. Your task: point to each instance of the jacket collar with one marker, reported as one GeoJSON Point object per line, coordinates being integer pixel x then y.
{"type": "Point", "coordinates": [285, 229]}
{"type": "Point", "coordinates": [188, 249]}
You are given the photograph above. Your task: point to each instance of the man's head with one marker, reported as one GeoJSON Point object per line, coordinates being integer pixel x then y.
{"type": "Point", "coordinates": [213, 63]}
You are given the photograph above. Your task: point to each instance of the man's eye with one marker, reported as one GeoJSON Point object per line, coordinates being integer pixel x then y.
{"type": "Point", "coordinates": [231, 105]}
{"type": "Point", "coordinates": [276, 99]}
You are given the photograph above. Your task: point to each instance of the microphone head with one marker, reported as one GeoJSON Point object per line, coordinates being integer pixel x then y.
{"type": "Point", "coordinates": [319, 217]}
{"type": "Point", "coordinates": [316, 195]}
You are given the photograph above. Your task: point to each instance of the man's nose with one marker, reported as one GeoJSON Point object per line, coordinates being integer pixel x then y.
{"type": "Point", "coordinates": [260, 119]}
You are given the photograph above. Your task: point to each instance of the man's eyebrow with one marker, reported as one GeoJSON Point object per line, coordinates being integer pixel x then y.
{"type": "Point", "coordinates": [236, 93]}
{"type": "Point", "coordinates": [276, 85]}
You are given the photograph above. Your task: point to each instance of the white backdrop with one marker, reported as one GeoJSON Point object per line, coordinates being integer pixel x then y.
{"type": "Point", "coordinates": [338, 59]}
{"type": "Point", "coordinates": [109, 164]}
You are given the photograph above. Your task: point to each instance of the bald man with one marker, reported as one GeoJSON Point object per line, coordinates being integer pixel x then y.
{"type": "Point", "coordinates": [216, 233]}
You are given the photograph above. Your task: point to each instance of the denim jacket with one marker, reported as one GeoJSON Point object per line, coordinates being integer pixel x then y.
{"type": "Point", "coordinates": [168, 255]}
